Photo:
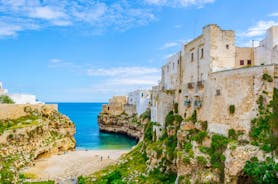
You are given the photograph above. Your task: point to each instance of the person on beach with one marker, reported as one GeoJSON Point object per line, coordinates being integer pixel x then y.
{"type": "Point", "coordinates": [101, 158]}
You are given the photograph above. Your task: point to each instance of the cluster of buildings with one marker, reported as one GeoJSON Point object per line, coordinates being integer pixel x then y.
{"type": "Point", "coordinates": [208, 75]}
{"type": "Point", "coordinates": [136, 102]}
{"type": "Point", "coordinates": [19, 98]}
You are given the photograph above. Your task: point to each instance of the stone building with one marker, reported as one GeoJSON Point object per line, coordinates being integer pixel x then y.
{"type": "Point", "coordinates": [244, 57]}
{"type": "Point", "coordinates": [267, 51]}
{"type": "Point", "coordinates": [115, 105]}
{"type": "Point", "coordinates": [171, 73]}
{"type": "Point", "coordinates": [141, 100]}
{"type": "Point", "coordinates": [209, 74]}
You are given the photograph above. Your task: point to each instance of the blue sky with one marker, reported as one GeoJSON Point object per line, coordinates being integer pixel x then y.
{"type": "Point", "coordinates": [88, 50]}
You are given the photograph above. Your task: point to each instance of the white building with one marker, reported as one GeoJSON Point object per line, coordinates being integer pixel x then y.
{"type": "Point", "coordinates": [267, 51]}
{"type": "Point", "coordinates": [24, 99]}
{"type": "Point", "coordinates": [2, 90]}
{"type": "Point", "coordinates": [141, 99]}
{"type": "Point", "coordinates": [170, 71]}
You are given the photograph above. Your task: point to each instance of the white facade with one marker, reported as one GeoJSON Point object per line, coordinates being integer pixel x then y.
{"type": "Point", "coordinates": [24, 99]}
{"type": "Point", "coordinates": [267, 51]}
{"type": "Point", "coordinates": [170, 71]}
{"type": "Point", "coordinates": [2, 90]}
{"type": "Point", "coordinates": [141, 99]}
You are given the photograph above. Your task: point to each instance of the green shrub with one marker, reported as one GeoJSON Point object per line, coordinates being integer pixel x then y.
{"type": "Point", "coordinates": [170, 118]}
{"type": "Point", "coordinates": [201, 160]}
{"type": "Point", "coordinates": [267, 77]}
{"type": "Point", "coordinates": [171, 144]}
{"type": "Point", "coordinates": [262, 172]}
{"type": "Point", "coordinates": [204, 149]}
{"type": "Point", "coordinates": [178, 119]}
{"type": "Point", "coordinates": [4, 99]}
{"type": "Point", "coordinates": [186, 160]}
{"type": "Point", "coordinates": [187, 147]}
{"type": "Point", "coordinates": [232, 134]}
{"type": "Point", "coordinates": [176, 107]}
{"type": "Point", "coordinates": [194, 117]}
{"type": "Point", "coordinates": [263, 127]}
{"type": "Point", "coordinates": [146, 114]}
{"type": "Point", "coordinates": [232, 109]}
{"type": "Point", "coordinates": [148, 131]}
{"type": "Point", "coordinates": [199, 137]}
{"type": "Point", "coordinates": [204, 125]}
{"type": "Point", "coordinates": [218, 146]}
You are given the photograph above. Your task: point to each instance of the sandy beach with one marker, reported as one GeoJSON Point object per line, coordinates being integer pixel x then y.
{"type": "Point", "coordinates": [72, 164]}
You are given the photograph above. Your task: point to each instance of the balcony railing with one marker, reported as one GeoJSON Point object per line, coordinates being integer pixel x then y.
{"type": "Point", "coordinates": [198, 103]}
{"type": "Point", "coordinates": [187, 103]}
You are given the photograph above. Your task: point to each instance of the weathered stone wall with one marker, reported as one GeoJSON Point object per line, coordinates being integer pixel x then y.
{"type": "Point", "coordinates": [239, 87]}
{"type": "Point", "coordinates": [244, 54]}
{"type": "Point", "coordinates": [130, 109]}
{"type": "Point", "coordinates": [115, 106]}
{"type": "Point", "coordinates": [14, 111]}
{"type": "Point", "coordinates": [170, 72]}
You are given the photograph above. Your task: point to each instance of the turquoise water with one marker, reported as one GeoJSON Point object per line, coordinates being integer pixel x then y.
{"type": "Point", "coordinates": [87, 136]}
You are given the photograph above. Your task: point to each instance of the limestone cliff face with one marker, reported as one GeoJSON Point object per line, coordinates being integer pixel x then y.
{"type": "Point", "coordinates": [41, 133]}
{"type": "Point", "coordinates": [123, 124]}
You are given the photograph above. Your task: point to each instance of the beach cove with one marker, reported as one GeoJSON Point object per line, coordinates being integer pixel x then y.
{"type": "Point", "coordinates": [94, 149]}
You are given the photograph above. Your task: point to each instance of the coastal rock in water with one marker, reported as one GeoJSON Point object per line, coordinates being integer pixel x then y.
{"type": "Point", "coordinates": [123, 124]}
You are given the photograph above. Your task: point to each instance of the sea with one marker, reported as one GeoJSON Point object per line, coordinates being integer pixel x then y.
{"type": "Point", "coordinates": [88, 136]}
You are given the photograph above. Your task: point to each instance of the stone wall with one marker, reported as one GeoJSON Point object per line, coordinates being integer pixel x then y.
{"type": "Point", "coordinates": [130, 109]}
{"type": "Point", "coordinates": [14, 111]}
{"type": "Point", "coordinates": [244, 54]}
{"type": "Point", "coordinates": [115, 106]}
{"type": "Point", "coordinates": [239, 87]}
{"type": "Point", "coordinates": [170, 72]}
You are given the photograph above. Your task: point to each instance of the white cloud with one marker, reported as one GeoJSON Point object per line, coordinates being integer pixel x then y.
{"type": "Point", "coordinates": [94, 16]}
{"type": "Point", "coordinates": [10, 27]}
{"type": "Point", "coordinates": [55, 61]}
{"type": "Point", "coordinates": [169, 45]}
{"type": "Point", "coordinates": [275, 14]}
{"type": "Point", "coordinates": [122, 71]}
{"type": "Point", "coordinates": [47, 13]}
{"type": "Point", "coordinates": [259, 29]}
{"type": "Point", "coordinates": [176, 3]}
{"type": "Point", "coordinates": [91, 15]}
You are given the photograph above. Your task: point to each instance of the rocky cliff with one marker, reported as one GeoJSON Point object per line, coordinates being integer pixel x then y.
{"type": "Point", "coordinates": [38, 134]}
{"type": "Point", "coordinates": [132, 126]}
{"type": "Point", "coordinates": [188, 153]}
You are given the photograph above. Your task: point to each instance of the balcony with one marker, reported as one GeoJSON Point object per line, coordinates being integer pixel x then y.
{"type": "Point", "coordinates": [198, 103]}
{"type": "Point", "coordinates": [187, 103]}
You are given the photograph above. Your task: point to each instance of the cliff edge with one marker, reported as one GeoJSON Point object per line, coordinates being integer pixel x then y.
{"type": "Point", "coordinates": [39, 132]}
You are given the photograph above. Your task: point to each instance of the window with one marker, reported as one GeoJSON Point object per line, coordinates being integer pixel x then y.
{"type": "Point", "coordinates": [249, 62]}
{"type": "Point", "coordinates": [227, 46]}
{"type": "Point", "coordinates": [218, 92]}
{"type": "Point", "coordinates": [202, 52]}
{"type": "Point", "coordinates": [178, 62]}
{"type": "Point", "coordinates": [108, 108]}
{"type": "Point", "coordinates": [168, 68]}
{"type": "Point", "coordinates": [241, 62]}
{"type": "Point", "coordinates": [173, 65]}
{"type": "Point", "coordinates": [192, 56]}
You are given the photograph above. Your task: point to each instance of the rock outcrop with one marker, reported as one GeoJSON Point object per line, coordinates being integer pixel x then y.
{"type": "Point", "coordinates": [40, 133]}
{"type": "Point", "coordinates": [122, 124]}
